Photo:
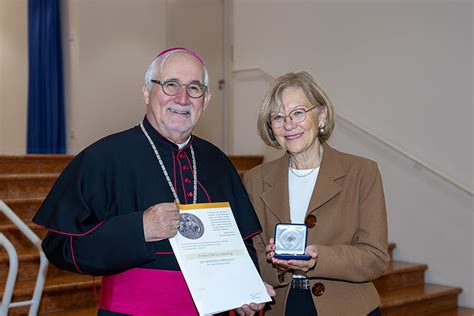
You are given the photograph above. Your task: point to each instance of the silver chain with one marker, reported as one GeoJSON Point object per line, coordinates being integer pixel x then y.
{"type": "Point", "coordinates": [157, 154]}
{"type": "Point", "coordinates": [301, 175]}
{"type": "Point", "coordinates": [318, 163]}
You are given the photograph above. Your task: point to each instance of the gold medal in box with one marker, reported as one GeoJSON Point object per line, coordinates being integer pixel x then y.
{"type": "Point", "coordinates": [290, 241]}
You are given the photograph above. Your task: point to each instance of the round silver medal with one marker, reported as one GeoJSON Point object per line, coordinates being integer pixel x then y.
{"type": "Point", "coordinates": [290, 239]}
{"type": "Point", "coordinates": [190, 226]}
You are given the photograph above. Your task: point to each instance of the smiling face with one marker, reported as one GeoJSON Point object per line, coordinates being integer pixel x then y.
{"type": "Point", "coordinates": [302, 137]}
{"type": "Point", "coordinates": [174, 117]}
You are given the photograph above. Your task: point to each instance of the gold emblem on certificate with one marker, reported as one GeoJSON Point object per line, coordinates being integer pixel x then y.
{"type": "Point", "coordinates": [290, 241]}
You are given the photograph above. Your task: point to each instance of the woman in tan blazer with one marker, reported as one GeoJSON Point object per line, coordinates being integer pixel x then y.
{"type": "Point", "coordinates": [338, 196]}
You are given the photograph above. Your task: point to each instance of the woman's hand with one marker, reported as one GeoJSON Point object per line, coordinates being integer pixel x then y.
{"type": "Point", "coordinates": [286, 265]}
{"type": "Point", "coordinates": [279, 264]}
{"type": "Point", "coordinates": [252, 308]}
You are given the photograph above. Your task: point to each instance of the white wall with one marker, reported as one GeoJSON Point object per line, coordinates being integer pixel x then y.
{"type": "Point", "coordinates": [401, 69]}
{"type": "Point", "coordinates": [13, 75]}
{"type": "Point", "coordinates": [111, 43]}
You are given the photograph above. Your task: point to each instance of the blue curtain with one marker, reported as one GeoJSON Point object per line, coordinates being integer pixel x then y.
{"type": "Point", "coordinates": [46, 127]}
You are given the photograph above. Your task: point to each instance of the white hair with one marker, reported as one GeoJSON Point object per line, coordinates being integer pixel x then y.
{"type": "Point", "coordinates": [160, 60]}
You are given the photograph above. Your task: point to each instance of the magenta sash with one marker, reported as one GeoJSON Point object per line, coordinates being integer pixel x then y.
{"type": "Point", "coordinates": [147, 292]}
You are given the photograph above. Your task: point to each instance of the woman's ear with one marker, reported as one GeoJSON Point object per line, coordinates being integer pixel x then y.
{"type": "Point", "coordinates": [323, 116]}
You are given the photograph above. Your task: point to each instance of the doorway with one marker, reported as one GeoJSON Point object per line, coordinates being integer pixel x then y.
{"type": "Point", "coordinates": [199, 25]}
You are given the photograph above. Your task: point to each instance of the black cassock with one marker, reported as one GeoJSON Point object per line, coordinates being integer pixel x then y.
{"type": "Point", "coordinates": [94, 212]}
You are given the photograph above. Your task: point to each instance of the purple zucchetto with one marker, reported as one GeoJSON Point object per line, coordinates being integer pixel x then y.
{"type": "Point", "coordinates": [184, 50]}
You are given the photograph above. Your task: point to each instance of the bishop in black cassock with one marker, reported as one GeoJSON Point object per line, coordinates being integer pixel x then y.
{"type": "Point", "coordinates": [95, 210]}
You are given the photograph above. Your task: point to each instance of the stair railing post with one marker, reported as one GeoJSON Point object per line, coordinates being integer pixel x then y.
{"type": "Point", "coordinates": [12, 273]}
{"type": "Point", "coordinates": [43, 268]}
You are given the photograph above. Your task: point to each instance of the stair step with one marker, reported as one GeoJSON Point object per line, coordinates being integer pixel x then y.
{"type": "Point", "coordinates": [401, 274]}
{"type": "Point", "coordinates": [460, 311]}
{"type": "Point", "coordinates": [33, 163]}
{"type": "Point", "coordinates": [16, 237]}
{"type": "Point", "coordinates": [24, 208]}
{"type": "Point", "coordinates": [26, 185]}
{"type": "Point", "coordinates": [28, 265]}
{"type": "Point", "coordinates": [424, 299]}
{"type": "Point", "coordinates": [86, 311]}
{"type": "Point", "coordinates": [245, 163]}
{"type": "Point", "coordinates": [60, 293]}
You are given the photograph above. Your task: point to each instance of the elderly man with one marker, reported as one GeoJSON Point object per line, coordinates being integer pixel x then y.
{"type": "Point", "coordinates": [113, 208]}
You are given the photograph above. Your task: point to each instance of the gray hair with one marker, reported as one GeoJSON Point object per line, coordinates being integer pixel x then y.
{"type": "Point", "coordinates": [160, 61]}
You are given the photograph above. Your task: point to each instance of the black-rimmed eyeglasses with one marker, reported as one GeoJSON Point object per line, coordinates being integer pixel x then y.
{"type": "Point", "coordinates": [296, 116]}
{"type": "Point", "coordinates": [171, 87]}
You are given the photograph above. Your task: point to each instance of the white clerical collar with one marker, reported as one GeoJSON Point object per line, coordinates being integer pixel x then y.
{"type": "Point", "coordinates": [185, 143]}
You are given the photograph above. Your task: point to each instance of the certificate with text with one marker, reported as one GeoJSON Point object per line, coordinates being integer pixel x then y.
{"type": "Point", "coordinates": [214, 260]}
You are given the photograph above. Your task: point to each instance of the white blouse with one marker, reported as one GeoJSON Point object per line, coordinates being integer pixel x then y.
{"type": "Point", "coordinates": [300, 186]}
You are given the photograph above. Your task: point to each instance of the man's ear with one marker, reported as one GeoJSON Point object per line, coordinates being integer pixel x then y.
{"type": "Point", "coordinates": [146, 94]}
{"type": "Point", "coordinates": [207, 98]}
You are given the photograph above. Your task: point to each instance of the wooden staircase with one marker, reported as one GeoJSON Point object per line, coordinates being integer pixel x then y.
{"type": "Point", "coordinates": [403, 291]}
{"type": "Point", "coordinates": [25, 181]}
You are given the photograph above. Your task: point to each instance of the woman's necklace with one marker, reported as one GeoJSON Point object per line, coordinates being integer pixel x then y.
{"type": "Point", "coordinates": [318, 163]}
{"type": "Point", "coordinates": [157, 154]}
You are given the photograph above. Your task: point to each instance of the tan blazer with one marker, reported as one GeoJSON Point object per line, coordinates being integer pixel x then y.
{"type": "Point", "coordinates": [350, 231]}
